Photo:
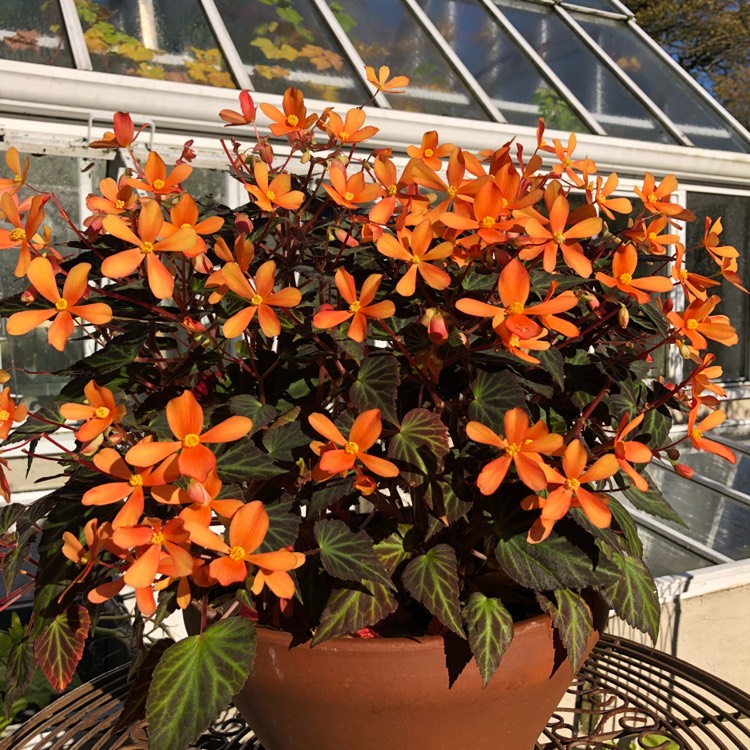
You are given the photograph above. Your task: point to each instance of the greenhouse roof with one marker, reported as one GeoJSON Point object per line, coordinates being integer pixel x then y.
{"type": "Point", "coordinates": [583, 65]}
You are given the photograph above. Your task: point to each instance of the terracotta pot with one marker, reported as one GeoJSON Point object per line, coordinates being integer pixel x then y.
{"type": "Point", "coordinates": [393, 693]}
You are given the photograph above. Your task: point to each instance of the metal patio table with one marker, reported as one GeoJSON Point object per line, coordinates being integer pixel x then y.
{"type": "Point", "coordinates": [625, 691]}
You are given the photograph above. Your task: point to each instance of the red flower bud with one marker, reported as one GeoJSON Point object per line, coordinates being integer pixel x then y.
{"type": "Point", "coordinates": [684, 470]}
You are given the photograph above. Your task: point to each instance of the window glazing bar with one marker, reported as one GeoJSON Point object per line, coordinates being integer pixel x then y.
{"type": "Point", "coordinates": [329, 17]}
{"type": "Point", "coordinates": [624, 8]}
{"type": "Point", "coordinates": [631, 85]}
{"type": "Point", "coordinates": [546, 70]}
{"type": "Point", "coordinates": [234, 61]}
{"type": "Point", "coordinates": [712, 484]}
{"type": "Point", "coordinates": [572, 5]}
{"type": "Point", "coordinates": [77, 41]}
{"type": "Point", "coordinates": [455, 62]}
{"type": "Point", "coordinates": [705, 96]}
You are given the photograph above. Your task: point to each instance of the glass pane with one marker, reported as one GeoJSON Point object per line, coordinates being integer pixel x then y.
{"type": "Point", "coordinates": [597, 4]}
{"type": "Point", "coordinates": [597, 88]}
{"type": "Point", "coordinates": [664, 557]}
{"type": "Point", "coordinates": [735, 215]}
{"type": "Point", "coordinates": [203, 183]}
{"type": "Point", "coordinates": [672, 94]}
{"type": "Point", "coordinates": [155, 39]}
{"type": "Point", "coordinates": [516, 86]}
{"type": "Point", "coordinates": [386, 33]}
{"type": "Point", "coordinates": [32, 31]}
{"type": "Point", "coordinates": [289, 45]}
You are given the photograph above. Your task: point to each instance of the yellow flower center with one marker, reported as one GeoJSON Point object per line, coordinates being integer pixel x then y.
{"type": "Point", "coordinates": [17, 178]}
{"type": "Point", "coordinates": [186, 226]}
{"type": "Point", "coordinates": [559, 238]}
{"type": "Point", "coordinates": [514, 341]}
{"type": "Point", "coordinates": [236, 553]}
{"type": "Point", "coordinates": [85, 559]}
{"type": "Point", "coordinates": [190, 440]}
{"type": "Point", "coordinates": [102, 412]}
{"type": "Point", "coordinates": [61, 304]}
{"type": "Point", "coordinates": [157, 537]}
{"type": "Point", "coordinates": [683, 274]}
{"type": "Point", "coordinates": [652, 235]}
{"type": "Point", "coordinates": [292, 120]}
{"type": "Point", "coordinates": [416, 260]}
{"type": "Point", "coordinates": [692, 324]}
{"type": "Point", "coordinates": [351, 448]}
{"type": "Point", "coordinates": [515, 308]}
{"type": "Point", "coordinates": [696, 434]}
{"type": "Point", "coordinates": [355, 307]}
{"type": "Point", "coordinates": [4, 415]}
{"type": "Point", "coordinates": [504, 203]}
{"type": "Point", "coordinates": [18, 234]}
{"type": "Point", "coordinates": [566, 162]}
{"type": "Point", "coordinates": [256, 299]}
{"type": "Point", "coordinates": [452, 191]}
{"type": "Point", "coordinates": [428, 152]}
{"type": "Point", "coordinates": [651, 197]}
{"type": "Point", "coordinates": [572, 484]}
{"type": "Point", "coordinates": [348, 195]}
{"type": "Point", "coordinates": [487, 222]}
{"type": "Point", "coordinates": [270, 195]}
{"type": "Point", "coordinates": [159, 184]}
{"type": "Point", "coordinates": [391, 190]}
{"type": "Point", "coordinates": [625, 278]}
{"type": "Point", "coordinates": [136, 480]}
{"type": "Point", "coordinates": [344, 135]}
{"type": "Point", "coordinates": [512, 449]}
{"type": "Point", "coordinates": [119, 204]}
{"type": "Point", "coordinates": [147, 247]}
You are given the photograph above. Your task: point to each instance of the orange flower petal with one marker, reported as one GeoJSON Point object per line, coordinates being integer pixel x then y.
{"type": "Point", "coordinates": [249, 527]}
{"type": "Point", "coordinates": [232, 428]}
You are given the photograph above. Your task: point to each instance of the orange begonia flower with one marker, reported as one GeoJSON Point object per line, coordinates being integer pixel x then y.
{"type": "Point", "coordinates": [430, 153]}
{"type": "Point", "coordinates": [150, 223]}
{"type": "Point", "coordinates": [349, 130]}
{"type": "Point", "coordinates": [98, 539]}
{"type": "Point", "coordinates": [630, 452]}
{"type": "Point", "coordinates": [114, 199]}
{"type": "Point", "coordinates": [245, 117]}
{"type": "Point", "coordinates": [520, 346]}
{"type": "Point", "coordinates": [695, 434]}
{"type": "Point", "coordinates": [244, 252]}
{"type": "Point", "coordinates": [262, 299]}
{"type": "Point", "coordinates": [483, 216]}
{"type": "Point", "coordinates": [607, 204]}
{"type": "Point", "coordinates": [144, 597]}
{"type": "Point", "coordinates": [359, 309]}
{"type": "Point", "coordinates": [696, 324]}
{"type": "Point", "coordinates": [184, 215]}
{"type": "Point", "coordinates": [350, 192]}
{"type": "Point", "coordinates": [278, 193]}
{"type": "Point", "coordinates": [521, 446]}
{"type": "Point", "coordinates": [130, 484]}
{"type": "Point", "coordinates": [650, 234]}
{"type": "Point", "coordinates": [694, 285]}
{"type": "Point", "coordinates": [414, 248]}
{"type": "Point", "coordinates": [363, 435]}
{"type": "Point", "coordinates": [572, 493]}
{"type": "Point", "coordinates": [124, 133]}
{"type": "Point", "coordinates": [13, 160]}
{"type": "Point", "coordinates": [557, 237]}
{"type": "Point", "coordinates": [566, 164]}
{"type": "Point", "coordinates": [9, 412]}
{"type": "Point", "coordinates": [711, 239]}
{"type": "Point", "coordinates": [155, 179]}
{"type": "Point", "coordinates": [624, 264]}
{"type": "Point", "coordinates": [23, 231]}
{"type": "Point", "coordinates": [657, 198]}
{"type": "Point", "coordinates": [705, 373]}
{"type": "Point", "coordinates": [294, 118]}
{"type": "Point", "coordinates": [65, 306]}
{"type": "Point", "coordinates": [455, 187]}
{"type": "Point", "coordinates": [185, 419]}
{"type": "Point", "coordinates": [247, 530]}
{"type": "Point", "coordinates": [100, 412]}
{"type": "Point", "coordinates": [382, 82]}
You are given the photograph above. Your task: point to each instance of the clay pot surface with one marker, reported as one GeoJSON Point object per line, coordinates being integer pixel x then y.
{"type": "Point", "coordinates": [394, 694]}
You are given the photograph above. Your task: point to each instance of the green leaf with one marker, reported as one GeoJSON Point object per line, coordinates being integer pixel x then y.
{"type": "Point", "coordinates": [572, 619]}
{"type": "Point", "coordinates": [332, 492]}
{"type": "Point", "coordinates": [283, 526]}
{"type": "Point", "coordinates": [419, 449]}
{"type": "Point", "coordinates": [490, 629]}
{"type": "Point", "coordinates": [432, 579]}
{"type": "Point", "coordinates": [654, 430]}
{"type": "Point", "coordinates": [13, 560]}
{"type": "Point", "coordinates": [555, 563]}
{"type": "Point", "coordinates": [9, 514]}
{"type": "Point", "coordinates": [658, 741]}
{"type": "Point", "coordinates": [121, 351]}
{"type": "Point", "coordinates": [376, 386]}
{"type": "Point", "coordinates": [33, 427]}
{"type": "Point", "coordinates": [249, 406]}
{"type": "Point", "coordinates": [652, 501]}
{"type": "Point", "coordinates": [243, 461]}
{"type": "Point", "coordinates": [479, 282]}
{"type": "Point", "coordinates": [392, 550]}
{"type": "Point", "coordinates": [629, 538]}
{"type": "Point", "coordinates": [195, 679]}
{"type": "Point", "coordinates": [552, 361]}
{"type": "Point", "coordinates": [347, 555]}
{"type": "Point", "coordinates": [281, 441]}
{"type": "Point", "coordinates": [19, 669]}
{"type": "Point", "coordinates": [628, 400]}
{"type": "Point", "coordinates": [633, 596]}
{"type": "Point", "coordinates": [494, 394]}
{"type": "Point", "coordinates": [289, 14]}
{"type": "Point", "coordinates": [353, 608]}
{"type": "Point", "coordinates": [59, 647]}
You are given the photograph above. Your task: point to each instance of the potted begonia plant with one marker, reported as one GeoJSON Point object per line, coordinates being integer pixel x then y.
{"type": "Point", "coordinates": [387, 416]}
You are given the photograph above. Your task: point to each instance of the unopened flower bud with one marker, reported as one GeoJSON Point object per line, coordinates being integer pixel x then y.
{"type": "Point", "coordinates": [673, 454]}
{"type": "Point", "coordinates": [28, 297]}
{"type": "Point", "coordinates": [4, 376]}
{"type": "Point", "coordinates": [192, 325]}
{"type": "Point", "coordinates": [623, 316]}
{"type": "Point", "coordinates": [684, 471]}
{"type": "Point", "coordinates": [436, 324]}
{"type": "Point", "coordinates": [265, 152]}
{"type": "Point", "coordinates": [667, 306]}
{"type": "Point", "coordinates": [243, 223]}
{"type": "Point", "coordinates": [683, 349]}
{"type": "Point", "coordinates": [305, 158]}
{"type": "Point", "coordinates": [591, 300]}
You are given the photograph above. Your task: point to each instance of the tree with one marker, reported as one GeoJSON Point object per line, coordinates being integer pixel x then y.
{"type": "Point", "coordinates": [710, 39]}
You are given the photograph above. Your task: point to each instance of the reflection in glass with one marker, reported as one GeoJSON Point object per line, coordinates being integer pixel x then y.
{"type": "Point", "coordinates": [285, 43]}
{"type": "Point", "coordinates": [671, 93]}
{"type": "Point", "coordinates": [734, 211]}
{"type": "Point", "coordinates": [32, 31]}
{"type": "Point", "coordinates": [665, 557]}
{"type": "Point", "coordinates": [502, 69]}
{"type": "Point", "coordinates": [156, 39]}
{"type": "Point", "coordinates": [596, 87]}
{"type": "Point", "coordinates": [386, 33]}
